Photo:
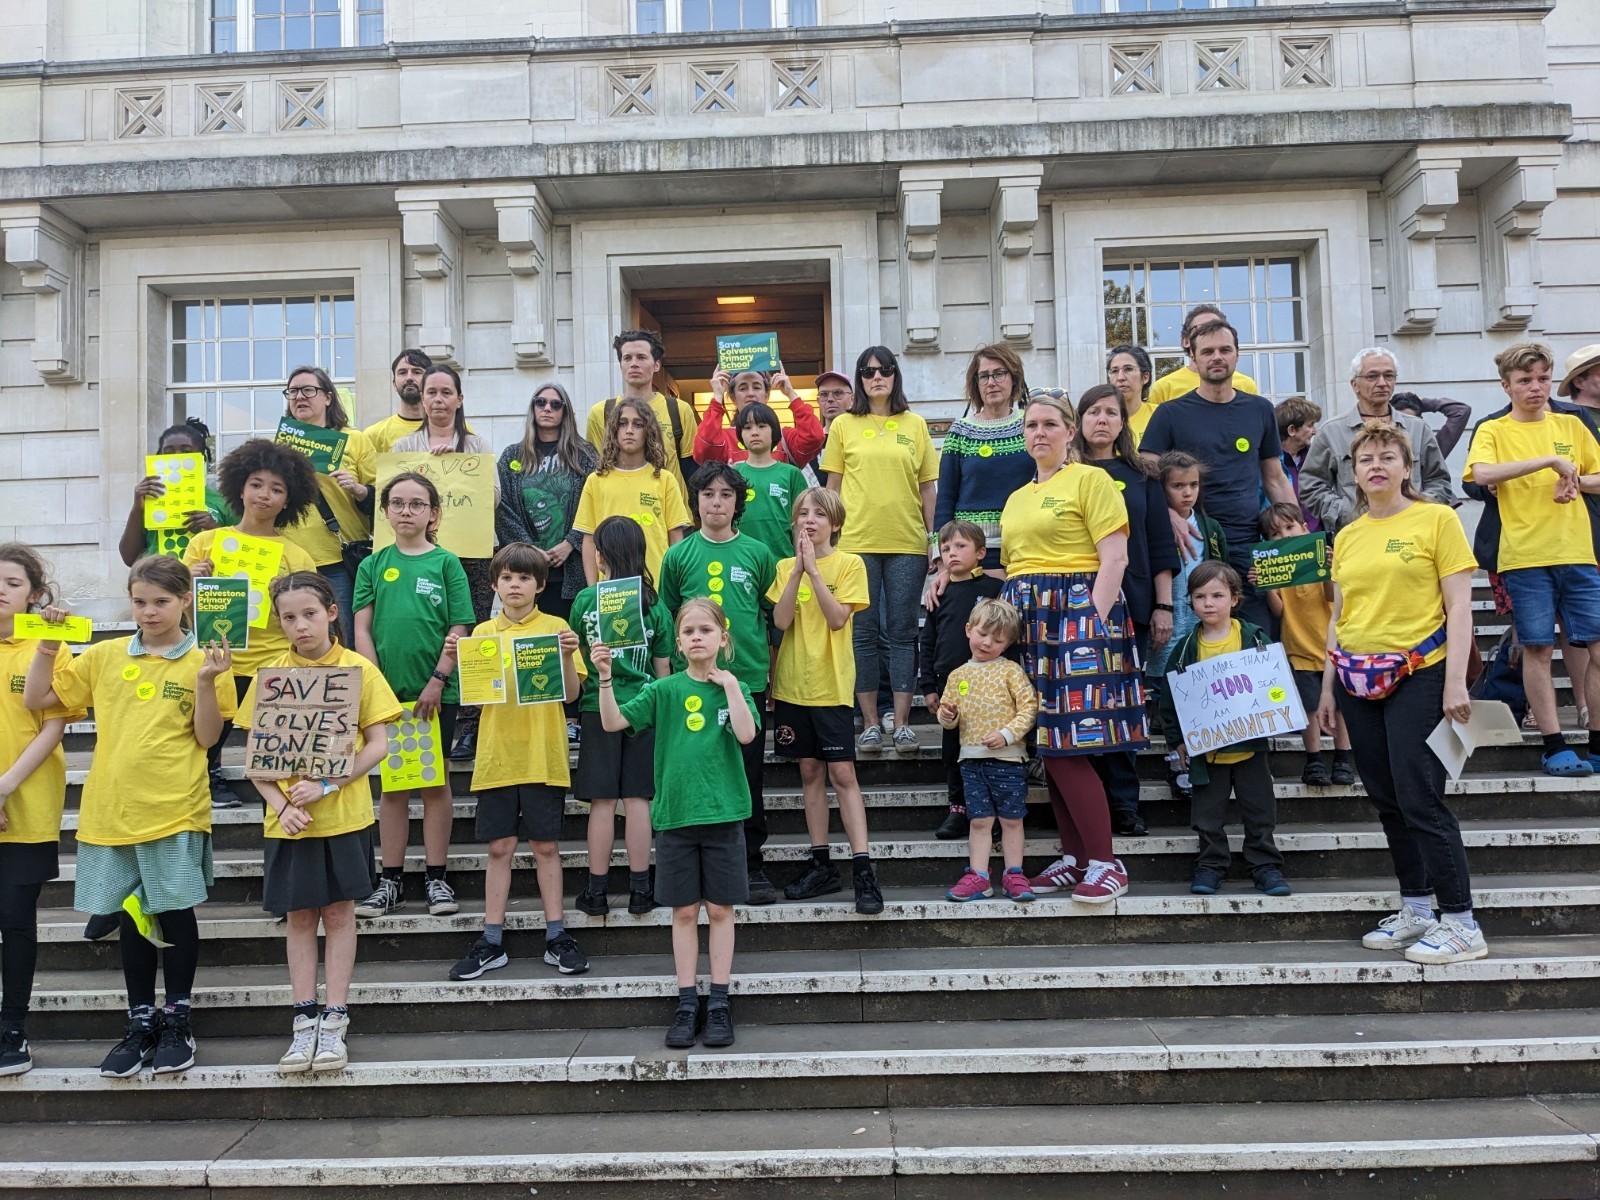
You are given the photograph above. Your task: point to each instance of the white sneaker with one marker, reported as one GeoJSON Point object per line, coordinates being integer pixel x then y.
{"type": "Point", "coordinates": [331, 1052]}
{"type": "Point", "coordinates": [905, 741]}
{"type": "Point", "coordinates": [870, 741]}
{"type": "Point", "coordinates": [1448, 941]}
{"type": "Point", "coordinates": [1397, 931]}
{"type": "Point", "coordinates": [302, 1049]}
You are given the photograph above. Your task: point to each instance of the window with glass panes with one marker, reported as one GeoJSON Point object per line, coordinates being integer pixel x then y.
{"type": "Point", "coordinates": [231, 358]}
{"type": "Point", "coordinates": [1087, 7]}
{"type": "Point", "coordinates": [294, 24]}
{"type": "Point", "coordinates": [1261, 296]}
{"type": "Point", "coordinates": [715, 16]}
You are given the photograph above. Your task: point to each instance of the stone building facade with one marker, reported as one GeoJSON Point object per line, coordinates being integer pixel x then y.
{"type": "Point", "coordinates": [189, 207]}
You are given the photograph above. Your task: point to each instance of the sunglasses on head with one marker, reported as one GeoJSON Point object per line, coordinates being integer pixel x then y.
{"type": "Point", "coordinates": [874, 372]}
{"type": "Point", "coordinates": [1047, 393]}
{"type": "Point", "coordinates": [549, 402]}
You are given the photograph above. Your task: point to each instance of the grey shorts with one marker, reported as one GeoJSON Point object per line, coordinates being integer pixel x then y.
{"type": "Point", "coordinates": [702, 862]}
{"type": "Point", "coordinates": [532, 811]}
{"type": "Point", "coordinates": [614, 765]}
{"type": "Point", "coordinates": [314, 872]}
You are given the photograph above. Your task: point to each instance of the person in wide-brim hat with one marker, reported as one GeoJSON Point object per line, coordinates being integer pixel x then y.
{"type": "Point", "coordinates": [1579, 363]}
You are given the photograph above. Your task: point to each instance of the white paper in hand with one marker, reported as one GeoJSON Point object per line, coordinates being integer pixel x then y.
{"type": "Point", "coordinates": [1490, 724]}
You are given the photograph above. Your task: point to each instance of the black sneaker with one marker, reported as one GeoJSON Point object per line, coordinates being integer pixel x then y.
{"type": "Point", "coordinates": [221, 794]}
{"type": "Point", "coordinates": [14, 1056]}
{"type": "Point", "coordinates": [819, 879]}
{"type": "Point", "coordinates": [1270, 882]}
{"type": "Point", "coordinates": [385, 899]}
{"type": "Point", "coordinates": [1315, 773]}
{"type": "Point", "coordinates": [100, 926]}
{"type": "Point", "coordinates": [869, 898]}
{"type": "Point", "coordinates": [718, 1028]}
{"type": "Point", "coordinates": [761, 889]}
{"type": "Point", "coordinates": [466, 745]}
{"type": "Point", "coordinates": [563, 954]}
{"type": "Point", "coordinates": [484, 956]}
{"type": "Point", "coordinates": [953, 826]}
{"type": "Point", "coordinates": [685, 1025]}
{"type": "Point", "coordinates": [1126, 822]}
{"type": "Point", "coordinates": [137, 1047]}
{"type": "Point", "coordinates": [1344, 772]}
{"type": "Point", "coordinates": [640, 903]}
{"type": "Point", "coordinates": [175, 1048]}
{"type": "Point", "coordinates": [593, 904]}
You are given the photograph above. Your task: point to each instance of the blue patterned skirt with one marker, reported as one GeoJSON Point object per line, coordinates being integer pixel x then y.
{"type": "Point", "coordinates": [1091, 689]}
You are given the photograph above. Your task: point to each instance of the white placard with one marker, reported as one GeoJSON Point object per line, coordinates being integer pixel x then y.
{"type": "Point", "coordinates": [1236, 698]}
{"type": "Point", "coordinates": [1491, 724]}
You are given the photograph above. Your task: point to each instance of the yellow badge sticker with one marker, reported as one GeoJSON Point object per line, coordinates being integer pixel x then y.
{"type": "Point", "coordinates": [390, 575]}
{"type": "Point", "coordinates": [693, 703]}
{"type": "Point", "coordinates": [1243, 445]}
{"type": "Point", "coordinates": [130, 672]}
{"type": "Point", "coordinates": [805, 592]}
{"type": "Point", "coordinates": [985, 451]}
{"type": "Point", "coordinates": [145, 691]}
{"type": "Point", "coordinates": [695, 721]}
{"type": "Point", "coordinates": [869, 433]}
{"type": "Point", "coordinates": [514, 465]}
{"type": "Point", "coordinates": [963, 687]}
{"type": "Point", "coordinates": [1122, 485]}
{"type": "Point", "coordinates": [487, 649]}
{"type": "Point", "coordinates": [891, 425]}
{"type": "Point", "coordinates": [714, 568]}
{"type": "Point", "coordinates": [716, 597]}
{"type": "Point", "coordinates": [1277, 694]}
{"type": "Point", "coordinates": [749, 495]}
{"type": "Point", "coordinates": [646, 519]}
{"type": "Point", "coordinates": [714, 584]}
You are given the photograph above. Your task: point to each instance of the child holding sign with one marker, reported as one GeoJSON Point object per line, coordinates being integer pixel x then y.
{"type": "Point", "coordinates": [144, 824]}
{"type": "Point", "coordinates": [702, 716]}
{"type": "Point", "coordinates": [1214, 591]}
{"type": "Point", "coordinates": [411, 599]}
{"type": "Point", "coordinates": [318, 859]}
{"type": "Point", "coordinates": [191, 437]}
{"type": "Point", "coordinates": [613, 766]}
{"type": "Point", "coordinates": [1305, 612]}
{"type": "Point", "coordinates": [33, 790]}
{"type": "Point", "coordinates": [522, 774]}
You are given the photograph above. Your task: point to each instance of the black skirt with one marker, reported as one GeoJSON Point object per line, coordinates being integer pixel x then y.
{"type": "Point", "coordinates": [27, 863]}
{"type": "Point", "coordinates": [315, 872]}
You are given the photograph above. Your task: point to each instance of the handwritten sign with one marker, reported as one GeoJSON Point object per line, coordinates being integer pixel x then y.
{"type": "Point", "coordinates": [1236, 698]}
{"type": "Point", "coordinates": [620, 604]}
{"type": "Point", "coordinates": [305, 723]}
{"type": "Point", "coordinates": [415, 758]}
{"type": "Point", "coordinates": [1291, 561]}
{"type": "Point", "coordinates": [466, 492]}
{"type": "Point", "coordinates": [236, 555]}
{"type": "Point", "coordinates": [183, 480]}
{"type": "Point", "coordinates": [747, 352]}
{"type": "Point", "coordinates": [324, 447]}
{"type": "Point", "coordinates": [222, 612]}
{"type": "Point", "coordinates": [29, 626]}
{"type": "Point", "coordinates": [481, 670]}
{"type": "Point", "coordinates": [537, 662]}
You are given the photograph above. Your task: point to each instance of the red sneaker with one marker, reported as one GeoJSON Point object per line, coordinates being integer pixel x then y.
{"type": "Point", "coordinates": [1015, 885]}
{"type": "Point", "coordinates": [971, 886]}
{"type": "Point", "coordinates": [1060, 876]}
{"type": "Point", "coordinates": [1102, 883]}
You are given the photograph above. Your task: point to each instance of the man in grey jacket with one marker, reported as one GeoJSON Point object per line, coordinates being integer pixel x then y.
{"type": "Point", "coordinates": [1327, 482]}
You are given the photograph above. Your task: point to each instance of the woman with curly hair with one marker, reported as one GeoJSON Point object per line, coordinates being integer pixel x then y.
{"type": "Point", "coordinates": [632, 481]}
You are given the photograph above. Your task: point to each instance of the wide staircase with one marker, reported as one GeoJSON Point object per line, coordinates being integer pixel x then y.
{"type": "Point", "coordinates": [1231, 1045]}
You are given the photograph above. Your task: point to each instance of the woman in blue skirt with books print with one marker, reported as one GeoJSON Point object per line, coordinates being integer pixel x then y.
{"type": "Point", "coordinates": [1065, 548]}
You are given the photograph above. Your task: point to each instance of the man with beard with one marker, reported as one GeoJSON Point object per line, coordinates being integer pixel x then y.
{"type": "Point", "coordinates": [407, 372]}
{"type": "Point", "coordinates": [1235, 435]}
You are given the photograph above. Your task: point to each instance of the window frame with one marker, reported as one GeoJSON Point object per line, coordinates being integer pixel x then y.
{"type": "Point", "coordinates": [1113, 8]}
{"type": "Point", "coordinates": [244, 25]}
{"type": "Point", "coordinates": [782, 14]}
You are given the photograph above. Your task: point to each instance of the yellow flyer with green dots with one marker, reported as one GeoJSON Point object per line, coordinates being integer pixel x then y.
{"type": "Point", "coordinates": [183, 478]}
{"type": "Point", "coordinates": [480, 670]}
{"type": "Point", "coordinates": [414, 759]}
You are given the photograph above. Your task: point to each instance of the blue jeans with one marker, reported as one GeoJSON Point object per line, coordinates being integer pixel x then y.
{"type": "Point", "coordinates": [344, 595]}
{"type": "Point", "coordinates": [1539, 593]}
{"type": "Point", "coordinates": [894, 593]}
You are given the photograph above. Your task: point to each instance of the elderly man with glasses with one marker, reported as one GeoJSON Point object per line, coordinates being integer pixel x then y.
{"type": "Point", "coordinates": [1327, 482]}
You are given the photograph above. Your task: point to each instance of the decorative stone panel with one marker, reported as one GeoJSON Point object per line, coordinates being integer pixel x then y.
{"type": "Point", "coordinates": [302, 105]}
{"type": "Point", "coordinates": [798, 84]}
{"type": "Point", "coordinates": [1306, 62]}
{"type": "Point", "coordinates": [712, 87]}
{"type": "Point", "coordinates": [141, 112]}
{"type": "Point", "coordinates": [1136, 69]}
{"type": "Point", "coordinates": [1220, 66]}
{"type": "Point", "coordinates": [219, 108]}
{"type": "Point", "coordinates": [633, 91]}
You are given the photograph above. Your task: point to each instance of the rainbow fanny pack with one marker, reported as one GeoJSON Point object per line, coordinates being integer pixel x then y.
{"type": "Point", "coordinates": [1374, 676]}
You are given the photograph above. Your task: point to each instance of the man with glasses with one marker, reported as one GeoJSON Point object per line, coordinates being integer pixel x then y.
{"type": "Point", "coordinates": [1327, 480]}
{"type": "Point", "coordinates": [406, 374]}
{"type": "Point", "coordinates": [834, 394]}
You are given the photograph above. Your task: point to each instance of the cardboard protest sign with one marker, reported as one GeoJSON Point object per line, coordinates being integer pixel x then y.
{"type": "Point", "coordinates": [415, 758]}
{"type": "Point", "coordinates": [305, 724]}
{"type": "Point", "coordinates": [537, 663]}
{"type": "Point", "coordinates": [620, 604]}
{"type": "Point", "coordinates": [1291, 561]}
{"type": "Point", "coordinates": [466, 493]}
{"type": "Point", "coordinates": [324, 447]}
{"type": "Point", "coordinates": [1236, 698]}
{"type": "Point", "coordinates": [28, 626]}
{"type": "Point", "coordinates": [183, 478]}
{"type": "Point", "coordinates": [480, 670]}
{"type": "Point", "coordinates": [236, 555]}
{"type": "Point", "coordinates": [747, 352]}
{"type": "Point", "coordinates": [222, 612]}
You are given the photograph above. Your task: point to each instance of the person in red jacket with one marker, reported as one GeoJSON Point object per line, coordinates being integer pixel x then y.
{"type": "Point", "coordinates": [714, 441]}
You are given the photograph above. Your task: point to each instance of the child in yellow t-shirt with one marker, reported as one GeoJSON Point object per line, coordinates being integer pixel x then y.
{"type": "Point", "coordinates": [632, 481]}
{"type": "Point", "coordinates": [991, 701]}
{"type": "Point", "coordinates": [1305, 612]}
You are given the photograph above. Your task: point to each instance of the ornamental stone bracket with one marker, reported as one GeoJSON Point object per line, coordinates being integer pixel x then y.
{"type": "Point", "coordinates": [47, 251]}
{"type": "Point", "coordinates": [920, 216]}
{"type": "Point", "coordinates": [434, 242]}
{"type": "Point", "coordinates": [524, 221]}
{"type": "Point", "coordinates": [1014, 216]}
{"type": "Point", "coordinates": [1510, 208]}
{"type": "Point", "coordinates": [1418, 194]}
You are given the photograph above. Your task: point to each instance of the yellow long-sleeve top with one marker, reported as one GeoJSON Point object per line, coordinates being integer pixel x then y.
{"type": "Point", "coordinates": [990, 696]}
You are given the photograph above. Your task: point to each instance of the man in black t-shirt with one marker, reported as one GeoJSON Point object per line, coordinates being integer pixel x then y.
{"type": "Point", "coordinates": [1235, 435]}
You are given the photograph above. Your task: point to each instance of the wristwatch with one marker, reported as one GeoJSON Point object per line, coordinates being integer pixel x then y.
{"type": "Point", "coordinates": [442, 677]}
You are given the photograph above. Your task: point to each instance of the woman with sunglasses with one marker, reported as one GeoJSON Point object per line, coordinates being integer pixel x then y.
{"type": "Point", "coordinates": [345, 493]}
{"type": "Point", "coordinates": [541, 478]}
{"type": "Point", "coordinates": [882, 462]}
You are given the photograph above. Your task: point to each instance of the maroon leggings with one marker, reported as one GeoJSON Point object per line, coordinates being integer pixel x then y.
{"type": "Point", "coordinates": [1078, 799]}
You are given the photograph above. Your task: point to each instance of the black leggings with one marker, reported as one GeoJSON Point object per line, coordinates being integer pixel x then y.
{"type": "Point", "coordinates": [178, 961]}
{"type": "Point", "coordinates": [19, 948]}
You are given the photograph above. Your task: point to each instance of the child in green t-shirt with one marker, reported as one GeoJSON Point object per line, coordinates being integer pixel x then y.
{"type": "Point", "coordinates": [771, 485]}
{"type": "Point", "coordinates": [701, 716]}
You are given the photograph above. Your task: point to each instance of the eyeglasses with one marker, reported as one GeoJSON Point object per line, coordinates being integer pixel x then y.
{"type": "Point", "coordinates": [301, 393]}
{"type": "Point", "coordinates": [1380, 377]}
{"type": "Point", "coordinates": [409, 506]}
{"type": "Point", "coordinates": [834, 394]}
{"type": "Point", "coordinates": [547, 402]}
{"type": "Point", "coordinates": [996, 376]}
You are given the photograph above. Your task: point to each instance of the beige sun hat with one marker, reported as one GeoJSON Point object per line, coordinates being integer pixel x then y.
{"type": "Point", "coordinates": [1579, 361]}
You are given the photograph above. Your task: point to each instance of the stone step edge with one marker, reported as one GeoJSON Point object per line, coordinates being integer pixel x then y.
{"type": "Point", "coordinates": [693, 1067]}
{"type": "Point", "coordinates": [1374, 969]}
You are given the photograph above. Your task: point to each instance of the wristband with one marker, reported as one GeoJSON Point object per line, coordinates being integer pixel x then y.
{"type": "Point", "coordinates": [442, 678]}
{"type": "Point", "coordinates": [329, 787]}
{"type": "Point", "coordinates": [1160, 607]}
{"type": "Point", "coordinates": [605, 683]}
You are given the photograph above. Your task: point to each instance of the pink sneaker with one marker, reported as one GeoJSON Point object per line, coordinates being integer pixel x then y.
{"type": "Point", "coordinates": [1015, 885]}
{"type": "Point", "coordinates": [1102, 883]}
{"type": "Point", "coordinates": [971, 886]}
{"type": "Point", "coordinates": [1060, 876]}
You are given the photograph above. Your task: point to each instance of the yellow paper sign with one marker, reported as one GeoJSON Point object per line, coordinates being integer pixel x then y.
{"type": "Point", "coordinates": [236, 555]}
{"type": "Point", "coordinates": [415, 758]}
{"type": "Point", "coordinates": [480, 670]}
{"type": "Point", "coordinates": [466, 491]}
{"type": "Point", "coordinates": [184, 478]}
{"type": "Point", "coordinates": [31, 625]}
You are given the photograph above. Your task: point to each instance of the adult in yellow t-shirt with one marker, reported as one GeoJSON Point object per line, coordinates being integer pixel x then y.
{"type": "Point", "coordinates": [639, 354]}
{"type": "Point", "coordinates": [883, 464]}
{"type": "Point", "coordinates": [1403, 586]}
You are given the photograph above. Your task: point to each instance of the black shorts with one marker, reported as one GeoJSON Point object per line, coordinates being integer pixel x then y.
{"type": "Point", "coordinates": [528, 810]}
{"type": "Point", "coordinates": [614, 765]}
{"type": "Point", "coordinates": [800, 731]}
{"type": "Point", "coordinates": [1309, 685]}
{"type": "Point", "coordinates": [702, 862]}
